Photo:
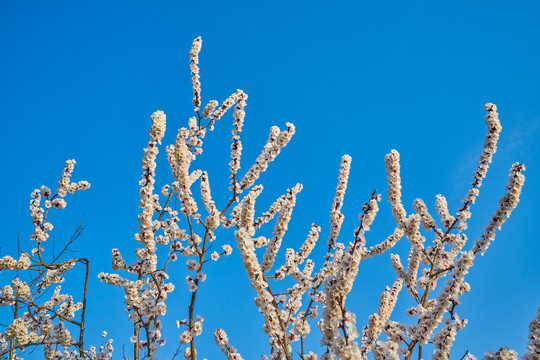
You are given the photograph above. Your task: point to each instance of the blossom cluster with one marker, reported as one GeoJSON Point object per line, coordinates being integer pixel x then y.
{"type": "Point", "coordinates": [436, 321]}
{"type": "Point", "coordinates": [146, 281]}
{"type": "Point", "coordinates": [50, 321]}
{"type": "Point", "coordinates": [295, 293]}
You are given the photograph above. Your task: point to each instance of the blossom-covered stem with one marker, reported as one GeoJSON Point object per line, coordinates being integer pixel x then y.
{"type": "Point", "coordinates": [277, 140]}
{"type": "Point", "coordinates": [284, 342]}
{"type": "Point", "coordinates": [194, 61]}
{"type": "Point", "coordinates": [490, 148]}
{"type": "Point", "coordinates": [136, 332]}
{"type": "Point", "coordinates": [158, 284]}
{"type": "Point", "coordinates": [394, 187]}
{"type": "Point", "coordinates": [30, 344]}
{"type": "Point", "coordinates": [533, 345]}
{"type": "Point", "coordinates": [507, 203]}
{"type": "Point", "coordinates": [360, 229]}
{"type": "Point", "coordinates": [42, 228]}
{"type": "Point", "coordinates": [234, 189]}
{"type": "Point", "coordinates": [424, 303]}
{"type": "Point", "coordinates": [343, 311]}
{"type": "Point", "coordinates": [191, 307]}
{"type": "Point", "coordinates": [223, 342]}
{"type": "Point", "coordinates": [433, 261]}
{"type": "Point", "coordinates": [236, 146]}
{"type": "Point", "coordinates": [365, 210]}
{"type": "Point", "coordinates": [80, 342]}
{"type": "Point", "coordinates": [194, 293]}
{"type": "Point", "coordinates": [376, 322]}
{"type": "Point", "coordinates": [164, 207]}
{"type": "Point", "coordinates": [29, 304]}
{"type": "Point", "coordinates": [336, 217]}
{"type": "Point", "coordinates": [12, 341]}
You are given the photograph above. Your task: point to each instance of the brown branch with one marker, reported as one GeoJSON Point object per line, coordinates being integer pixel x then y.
{"type": "Point", "coordinates": [12, 341]}
{"type": "Point", "coordinates": [191, 307]}
{"type": "Point", "coordinates": [284, 342]}
{"type": "Point", "coordinates": [342, 326]}
{"type": "Point", "coordinates": [83, 311]}
{"type": "Point", "coordinates": [432, 275]}
{"type": "Point", "coordinates": [27, 345]}
{"type": "Point", "coordinates": [29, 304]}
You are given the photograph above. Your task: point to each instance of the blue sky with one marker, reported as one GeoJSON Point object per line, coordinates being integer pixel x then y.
{"type": "Point", "coordinates": [81, 79]}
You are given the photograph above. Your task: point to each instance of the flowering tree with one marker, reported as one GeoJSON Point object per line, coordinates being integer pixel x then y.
{"type": "Point", "coordinates": [290, 296]}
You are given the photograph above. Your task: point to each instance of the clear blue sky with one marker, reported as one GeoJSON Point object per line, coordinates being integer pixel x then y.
{"type": "Point", "coordinates": [81, 79]}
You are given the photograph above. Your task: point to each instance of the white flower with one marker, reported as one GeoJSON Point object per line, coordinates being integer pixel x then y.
{"type": "Point", "coordinates": [209, 108]}
{"type": "Point", "coordinates": [45, 191]}
{"type": "Point", "coordinates": [192, 265]}
{"type": "Point", "coordinates": [185, 337]}
{"type": "Point", "coordinates": [227, 249]}
{"type": "Point", "coordinates": [59, 203]}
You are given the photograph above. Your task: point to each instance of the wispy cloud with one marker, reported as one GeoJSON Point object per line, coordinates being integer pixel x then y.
{"type": "Point", "coordinates": [521, 139]}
